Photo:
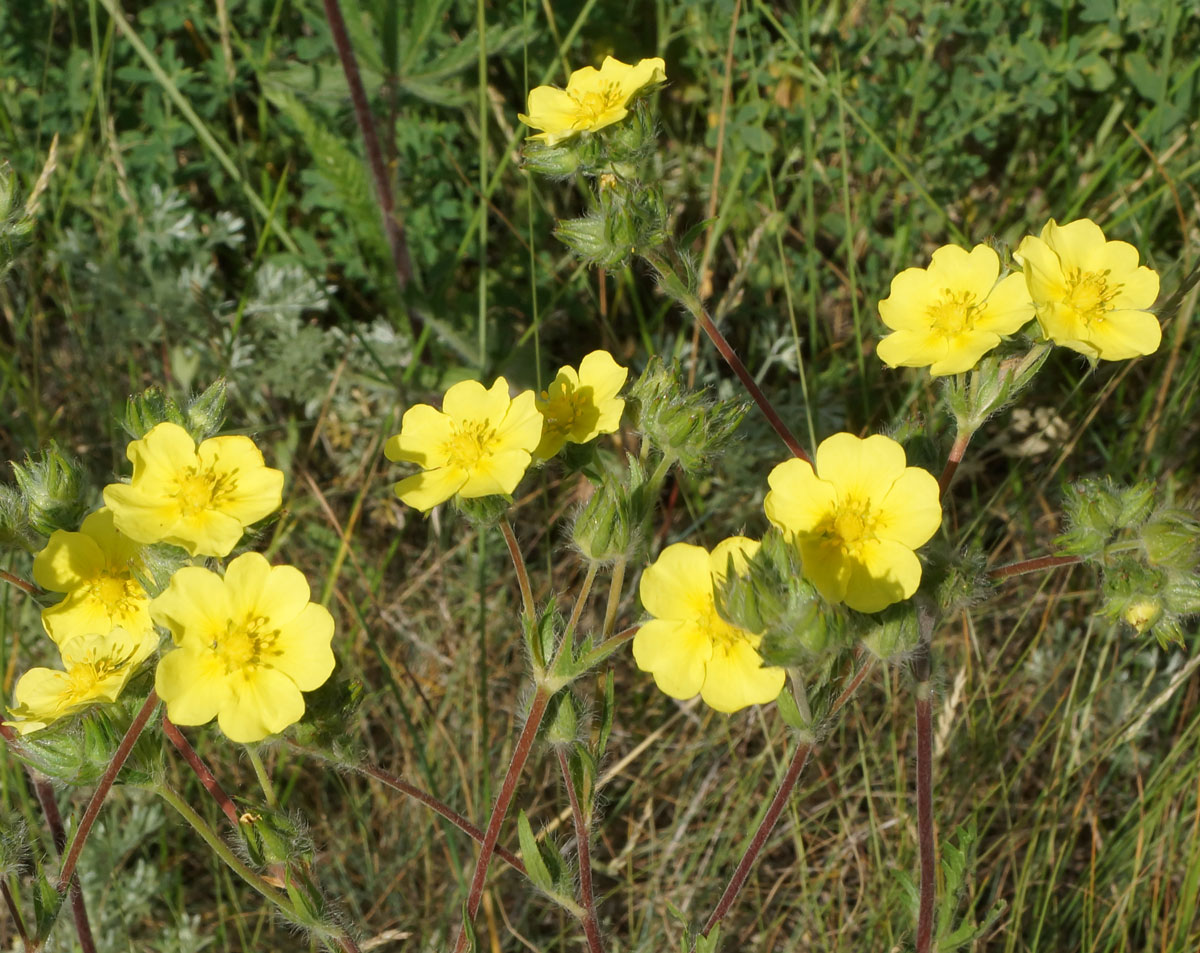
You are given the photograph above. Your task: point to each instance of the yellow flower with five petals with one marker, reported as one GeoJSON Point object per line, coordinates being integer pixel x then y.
{"type": "Point", "coordinates": [580, 405]}
{"type": "Point", "coordinates": [687, 646]}
{"type": "Point", "coordinates": [947, 316]}
{"type": "Point", "coordinates": [857, 518]}
{"type": "Point", "coordinates": [248, 644]}
{"type": "Point", "coordinates": [201, 498]}
{"type": "Point", "coordinates": [594, 98]}
{"type": "Point", "coordinates": [1090, 294]}
{"type": "Point", "coordinates": [97, 568]}
{"type": "Point", "coordinates": [478, 444]}
{"type": "Point", "coordinates": [97, 668]}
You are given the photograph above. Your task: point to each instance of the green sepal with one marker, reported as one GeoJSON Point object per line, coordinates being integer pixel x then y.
{"type": "Point", "coordinates": [607, 708]}
{"type": "Point", "coordinates": [47, 903]}
{"type": "Point", "coordinates": [538, 864]}
{"type": "Point", "coordinates": [542, 636]}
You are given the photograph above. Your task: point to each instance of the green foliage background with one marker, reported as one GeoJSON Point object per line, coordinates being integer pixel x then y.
{"type": "Point", "coordinates": [210, 215]}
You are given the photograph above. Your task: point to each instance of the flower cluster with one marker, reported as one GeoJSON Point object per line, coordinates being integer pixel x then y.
{"type": "Point", "coordinates": [1088, 294]}
{"type": "Point", "coordinates": [247, 643]}
{"type": "Point", "coordinates": [483, 440]}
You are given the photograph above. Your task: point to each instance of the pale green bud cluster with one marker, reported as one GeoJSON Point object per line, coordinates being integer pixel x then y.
{"type": "Point", "coordinates": [688, 428]}
{"type": "Point", "coordinates": [203, 416]}
{"type": "Point", "coordinates": [1149, 555]}
{"type": "Point", "coordinates": [51, 493]}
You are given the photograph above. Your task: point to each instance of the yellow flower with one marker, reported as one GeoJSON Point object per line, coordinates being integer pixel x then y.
{"type": "Point", "coordinates": [478, 444]}
{"type": "Point", "coordinates": [201, 498]}
{"type": "Point", "coordinates": [857, 519]}
{"type": "Point", "coordinates": [1090, 294]}
{"type": "Point", "coordinates": [579, 406]}
{"type": "Point", "coordinates": [947, 316]}
{"type": "Point", "coordinates": [97, 569]}
{"type": "Point", "coordinates": [687, 646]}
{"type": "Point", "coordinates": [97, 669]}
{"type": "Point", "coordinates": [249, 644]}
{"type": "Point", "coordinates": [594, 98]}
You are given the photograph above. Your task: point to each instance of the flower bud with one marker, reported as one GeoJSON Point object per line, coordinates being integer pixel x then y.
{"type": "Point", "coordinates": [602, 240]}
{"type": "Point", "coordinates": [563, 720]}
{"type": "Point", "coordinates": [1172, 539]}
{"type": "Point", "coordinates": [483, 512]}
{"type": "Point", "coordinates": [53, 489]}
{"type": "Point", "coordinates": [1136, 502]}
{"type": "Point", "coordinates": [896, 633]}
{"type": "Point", "coordinates": [605, 528]}
{"type": "Point", "coordinates": [273, 838]}
{"type": "Point", "coordinates": [555, 161]}
{"type": "Point", "coordinates": [1142, 613]}
{"type": "Point", "coordinates": [206, 412]}
{"type": "Point", "coordinates": [149, 409]}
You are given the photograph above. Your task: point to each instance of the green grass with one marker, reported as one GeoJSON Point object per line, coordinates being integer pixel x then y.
{"type": "Point", "coordinates": [210, 215]}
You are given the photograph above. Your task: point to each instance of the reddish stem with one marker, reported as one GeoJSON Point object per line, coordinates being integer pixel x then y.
{"type": "Point", "coordinates": [105, 785]}
{"type": "Point", "coordinates": [795, 768]}
{"type": "Point", "coordinates": [439, 807]}
{"type": "Point", "coordinates": [45, 796]}
{"type": "Point", "coordinates": [15, 914]}
{"type": "Point", "coordinates": [1033, 565]}
{"type": "Point", "coordinates": [591, 926]}
{"type": "Point", "coordinates": [507, 789]}
{"type": "Point", "coordinates": [201, 770]}
{"type": "Point", "coordinates": [22, 584]}
{"type": "Point", "coordinates": [366, 125]}
{"type": "Point", "coordinates": [956, 454]}
{"type": "Point", "coordinates": [926, 835]}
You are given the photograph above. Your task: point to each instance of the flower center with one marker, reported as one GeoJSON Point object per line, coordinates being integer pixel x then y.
{"type": "Point", "coordinates": [723, 635]}
{"type": "Point", "coordinates": [849, 526]}
{"type": "Point", "coordinates": [248, 645]}
{"type": "Point", "coordinates": [954, 313]}
{"type": "Point", "coordinates": [566, 408]}
{"type": "Point", "coordinates": [198, 490]}
{"type": "Point", "coordinates": [594, 103]}
{"type": "Point", "coordinates": [1089, 293]}
{"type": "Point", "coordinates": [116, 593]}
{"type": "Point", "coordinates": [469, 443]}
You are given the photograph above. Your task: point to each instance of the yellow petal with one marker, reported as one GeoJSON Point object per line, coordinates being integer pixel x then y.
{"type": "Point", "coordinates": [1043, 271]}
{"type": "Point", "coordinates": [675, 653]}
{"type": "Point", "coordinates": [825, 566]}
{"type": "Point", "coordinates": [915, 347]}
{"type": "Point", "coordinates": [1078, 244]}
{"type": "Point", "coordinates": [498, 473]}
{"type": "Point", "coordinates": [886, 572]}
{"type": "Point", "coordinates": [303, 644]}
{"type": "Point", "coordinates": [798, 501]}
{"type": "Point", "coordinates": [905, 307]}
{"type": "Point", "coordinates": [602, 374]}
{"type": "Point", "coordinates": [277, 594]}
{"type": "Point", "coordinates": [911, 512]}
{"type": "Point", "coordinates": [424, 433]}
{"type": "Point", "coordinates": [259, 705]}
{"type": "Point", "coordinates": [166, 450]}
{"type": "Point", "coordinates": [470, 401]}
{"type": "Point", "coordinates": [194, 606]}
{"type": "Point", "coordinates": [973, 272]}
{"type": "Point", "coordinates": [736, 678]}
{"type": "Point", "coordinates": [631, 79]}
{"type": "Point", "coordinates": [963, 352]}
{"type": "Point", "coordinates": [520, 425]}
{"type": "Point", "coordinates": [119, 550]}
{"type": "Point", "coordinates": [1008, 308]}
{"type": "Point", "coordinates": [678, 585]}
{"type": "Point", "coordinates": [860, 469]}
{"type": "Point", "coordinates": [740, 548]}
{"type": "Point", "coordinates": [206, 533]}
{"type": "Point", "coordinates": [67, 561]}
{"type": "Point", "coordinates": [1120, 335]}
{"type": "Point", "coordinates": [141, 517]}
{"type": "Point", "coordinates": [192, 681]}
{"type": "Point", "coordinates": [1138, 290]}
{"type": "Point", "coordinates": [425, 490]}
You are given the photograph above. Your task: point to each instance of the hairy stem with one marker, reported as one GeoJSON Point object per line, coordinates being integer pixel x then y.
{"type": "Point", "coordinates": [580, 601]}
{"type": "Point", "coordinates": [956, 454]}
{"type": "Point", "coordinates": [263, 776]}
{"type": "Point", "coordinates": [1033, 565]}
{"type": "Point", "coordinates": [18, 922]}
{"type": "Point", "coordinates": [750, 857]}
{"type": "Point", "coordinates": [22, 584]}
{"type": "Point", "coordinates": [591, 926]}
{"type": "Point", "coordinates": [926, 834]}
{"type": "Point", "coordinates": [500, 810]}
{"type": "Point", "coordinates": [518, 561]}
{"type": "Point", "coordinates": [615, 585]}
{"type": "Point", "coordinates": [401, 262]}
{"type": "Point", "coordinates": [45, 796]}
{"type": "Point", "coordinates": [676, 288]}
{"type": "Point", "coordinates": [200, 769]}
{"type": "Point", "coordinates": [102, 788]}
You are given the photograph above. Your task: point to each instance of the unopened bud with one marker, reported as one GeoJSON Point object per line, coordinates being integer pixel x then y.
{"type": "Point", "coordinates": [1142, 614]}
{"type": "Point", "coordinates": [206, 412]}
{"type": "Point", "coordinates": [1172, 539]}
{"type": "Point", "coordinates": [554, 161]}
{"type": "Point", "coordinates": [53, 490]}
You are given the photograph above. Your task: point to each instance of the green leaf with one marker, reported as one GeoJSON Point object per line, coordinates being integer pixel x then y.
{"type": "Point", "coordinates": [531, 853]}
